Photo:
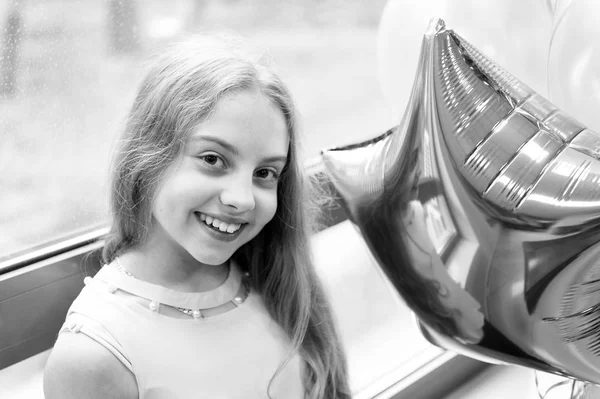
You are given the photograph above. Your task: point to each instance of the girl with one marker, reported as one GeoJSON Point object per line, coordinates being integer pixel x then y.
{"type": "Point", "coordinates": [208, 290]}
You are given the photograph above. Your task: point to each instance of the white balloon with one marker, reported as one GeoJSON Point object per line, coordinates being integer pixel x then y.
{"type": "Point", "coordinates": [515, 34]}
{"type": "Point", "coordinates": [574, 62]}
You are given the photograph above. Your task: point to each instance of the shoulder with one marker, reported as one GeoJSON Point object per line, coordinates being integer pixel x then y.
{"type": "Point", "coordinates": [79, 367]}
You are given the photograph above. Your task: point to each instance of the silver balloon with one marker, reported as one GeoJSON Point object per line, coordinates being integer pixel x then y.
{"type": "Point", "coordinates": [482, 208]}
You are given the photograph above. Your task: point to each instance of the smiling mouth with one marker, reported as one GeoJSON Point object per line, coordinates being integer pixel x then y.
{"type": "Point", "coordinates": [219, 225]}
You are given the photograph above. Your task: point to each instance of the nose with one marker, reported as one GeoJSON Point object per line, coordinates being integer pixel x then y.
{"type": "Point", "coordinates": [238, 194]}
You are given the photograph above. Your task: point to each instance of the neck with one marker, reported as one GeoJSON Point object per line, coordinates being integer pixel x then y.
{"type": "Point", "coordinates": [175, 272]}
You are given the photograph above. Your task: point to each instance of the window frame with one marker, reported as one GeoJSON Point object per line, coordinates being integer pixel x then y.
{"type": "Point", "coordinates": [37, 287]}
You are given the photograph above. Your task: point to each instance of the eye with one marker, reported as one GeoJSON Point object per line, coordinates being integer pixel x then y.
{"type": "Point", "coordinates": [267, 174]}
{"type": "Point", "coordinates": [213, 161]}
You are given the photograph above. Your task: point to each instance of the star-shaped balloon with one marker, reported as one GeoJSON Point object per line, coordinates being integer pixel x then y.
{"type": "Point", "coordinates": [482, 208]}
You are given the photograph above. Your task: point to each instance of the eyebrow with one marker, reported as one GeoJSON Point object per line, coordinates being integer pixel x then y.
{"type": "Point", "coordinates": [217, 140]}
{"type": "Point", "coordinates": [233, 150]}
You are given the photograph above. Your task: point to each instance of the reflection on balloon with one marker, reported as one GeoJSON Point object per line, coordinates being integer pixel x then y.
{"type": "Point", "coordinates": [482, 207]}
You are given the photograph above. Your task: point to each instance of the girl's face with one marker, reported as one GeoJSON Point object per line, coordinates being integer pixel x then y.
{"type": "Point", "coordinates": [223, 190]}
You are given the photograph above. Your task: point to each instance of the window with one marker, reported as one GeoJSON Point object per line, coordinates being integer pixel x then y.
{"type": "Point", "coordinates": [70, 69]}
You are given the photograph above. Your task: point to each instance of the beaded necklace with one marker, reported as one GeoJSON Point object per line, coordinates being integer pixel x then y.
{"type": "Point", "coordinates": [198, 313]}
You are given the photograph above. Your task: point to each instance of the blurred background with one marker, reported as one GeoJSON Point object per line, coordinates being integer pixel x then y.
{"type": "Point", "coordinates": [70, 69]}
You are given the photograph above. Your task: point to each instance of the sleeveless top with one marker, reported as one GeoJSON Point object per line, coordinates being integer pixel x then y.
{"type": "Point", "coordinates": [230, 355]}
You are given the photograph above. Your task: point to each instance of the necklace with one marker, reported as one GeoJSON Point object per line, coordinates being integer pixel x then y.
{"type": "Point", "coordinates": [241, 296]}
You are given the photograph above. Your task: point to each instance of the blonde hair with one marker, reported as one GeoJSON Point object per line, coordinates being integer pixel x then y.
{"type": "Point", "coordinates": [179, 91]}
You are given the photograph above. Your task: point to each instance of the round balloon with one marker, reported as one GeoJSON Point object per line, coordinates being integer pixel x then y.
{"type": "Point", "coordinates": [513, 33]}
{"type": "Point", "coordinates": [574, 61]}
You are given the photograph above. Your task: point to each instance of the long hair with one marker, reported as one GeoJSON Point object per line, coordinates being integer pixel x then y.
{"type": "Point", "coordinates": [181, 90]}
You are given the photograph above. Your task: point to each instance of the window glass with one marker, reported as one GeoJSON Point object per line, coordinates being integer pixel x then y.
{"type": "Point", "coordinates": [70, 69]}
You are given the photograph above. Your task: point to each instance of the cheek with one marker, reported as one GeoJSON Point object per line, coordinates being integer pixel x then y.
{"type": "Point", "coordinates": [182, 191]}
{"type": "Point", "coordinates": [160, 208]}
{"type": "Point", "coordinates": [268, 207]}
{"type": "Point", "coordinates": [168, 200]}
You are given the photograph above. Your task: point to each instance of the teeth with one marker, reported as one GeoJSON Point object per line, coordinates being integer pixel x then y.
{"type": "Point", "coordinates": [219, 224]}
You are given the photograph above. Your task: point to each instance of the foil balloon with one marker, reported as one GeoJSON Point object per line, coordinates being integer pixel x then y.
{"type": "Point", "coordinates": [482, 208]}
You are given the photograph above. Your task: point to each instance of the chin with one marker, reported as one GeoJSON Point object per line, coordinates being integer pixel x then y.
{"type": "Point", "coordinates": [212, 259]}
